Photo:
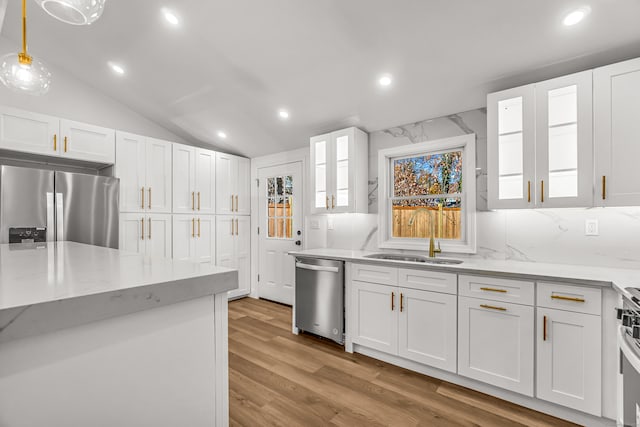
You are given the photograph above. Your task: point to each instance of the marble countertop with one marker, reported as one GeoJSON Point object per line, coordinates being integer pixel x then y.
{"type": "Point", "coordinates": [33, 274]}
{"type": "Point", "coordinates": [617, 278]}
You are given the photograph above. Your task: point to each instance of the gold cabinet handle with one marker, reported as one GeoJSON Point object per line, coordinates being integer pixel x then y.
{"type": "Point", "coordinates": [193, 227]}
{"type": "Point", "coordinates": [542, 191]}
{"type": "Point", "coordinates": [142, 198]}
{"type": "Point", "coordinates": [401, 302]}
{"type": "Point", "coordinates": [493, 307]}
{"type": "Point", "coordinates": [494, 290]}
{"type": "Point", "coordinates": [232, 208]}
{"type": "Point", "coordinates": [237, 203]}
{"type": "Point", "coordinates": [232, 232]}
{"type": "Point", "coordinates": [544, 328]}
{"type": "Point", "coordinates": [149, 228]}
{"type": "Point", "coordinates": [604, 187]}
{"type": "Point", "coordinates": [149, 197]}
{"type": "Point", "coordinates": [142, 228]}
{"type": "Point", "coordinates": [333, 202]}
{"type": "Point", "coordinates": [198, 200]}
{"type": "Point", "coordinates": [55, 142]}
{"type": "Point", "coordinates": [198, 227]}
{"type": "Point", "coordinates": [237, 228]}
{"type": "Point", "coordinates": [327, 202]}
{"type": "Point", "coordinates": [65, 144]}
{"type": "Point", "coordinates": [393, 296]}
{"type": "Point", "coordinates": [193, 201]}
{"type": "Point", "coordinates": [560, 297]}
{"type": "Point", "coordinates": [528, 191]}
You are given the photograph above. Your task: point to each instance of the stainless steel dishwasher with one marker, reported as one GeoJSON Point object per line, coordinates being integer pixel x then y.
{"type": "Point", "coordinates": [319, 302]}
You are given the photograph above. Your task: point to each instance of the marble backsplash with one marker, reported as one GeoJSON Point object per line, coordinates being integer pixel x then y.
{"type": "Point", "coordinates": [531, 235]}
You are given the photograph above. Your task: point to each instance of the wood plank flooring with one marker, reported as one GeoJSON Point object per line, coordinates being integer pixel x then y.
{"type": "Point", "coordinates": [280, 379]}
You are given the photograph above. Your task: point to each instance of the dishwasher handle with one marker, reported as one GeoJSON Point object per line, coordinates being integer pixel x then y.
{"type": "Point", "coordinates": [317, 267]}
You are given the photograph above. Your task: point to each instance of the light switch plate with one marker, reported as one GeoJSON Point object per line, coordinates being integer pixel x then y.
{"type": "Point", "coordinates": [329, 223]}
{"type": "Point", "coordinates": [315, 224]}
{"type": "Point", "coordinates": [591, 227]}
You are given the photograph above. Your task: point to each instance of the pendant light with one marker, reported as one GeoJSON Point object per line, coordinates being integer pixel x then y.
{"type": "Point", "coordinates": [21, 72]}
{"type": "Point", "coordinates": [75, 12]}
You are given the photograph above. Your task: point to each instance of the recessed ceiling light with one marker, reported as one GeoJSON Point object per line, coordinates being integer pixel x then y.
{"type": "Point", "coordinates": [385, 80]}
{"type": "Point", "coordinates": [283, 114]}
{"type": "Point", "coordinates": [222, 134]}
{"type": "Point", "coordinates": [116, 68]}
{"type": "Point", "coordinates": [576, 16]}
{"type": "Point", "coordinates": [170, 17]}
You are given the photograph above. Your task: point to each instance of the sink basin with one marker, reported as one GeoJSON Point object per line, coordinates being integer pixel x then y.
{"type": "Point", "coordinates": [414, 258]}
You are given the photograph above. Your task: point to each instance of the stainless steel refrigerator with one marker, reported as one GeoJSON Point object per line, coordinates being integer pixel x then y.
{"type": "Point", "coordinates": [38, 205]}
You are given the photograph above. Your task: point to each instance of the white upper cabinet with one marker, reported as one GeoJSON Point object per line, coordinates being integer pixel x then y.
{"type": "Point", "coordinates": [232, 185]}
{"type": "Point", "coordinates": [540, 144]}
{"type": "Point", "coordinates": [87, 142]}
{"type": "Point", "coordinates": [205, 181]}
{"type": "Point", "coordinates": [339, 171]}
{"type": "Point", "coordinates": [617, 134]}
{"type": "Point", "coordinates": [28, 132]}
{"type": "Point", "coordinates": [144, 168]}
{"type": "Point", "coordinates": [184, 177]}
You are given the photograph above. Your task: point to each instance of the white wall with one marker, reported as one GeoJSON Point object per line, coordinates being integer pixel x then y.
{"type": "Point", "coordinates": [72, 99]}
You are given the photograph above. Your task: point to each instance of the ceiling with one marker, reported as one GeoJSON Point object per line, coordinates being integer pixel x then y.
{"type": "Point", "coordinates": [230, 65]}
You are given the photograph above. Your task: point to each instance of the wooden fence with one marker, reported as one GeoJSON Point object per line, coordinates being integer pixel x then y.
{"type": "Point", "coordinates": [280, 227]}
{"type": "Point", "coordinates": [446, 222]}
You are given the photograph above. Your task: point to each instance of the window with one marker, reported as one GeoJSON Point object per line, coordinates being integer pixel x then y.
{"type": "Point", "coordinates": [280, 207]}
{"type": "Point", "coordinates": [426, 193]}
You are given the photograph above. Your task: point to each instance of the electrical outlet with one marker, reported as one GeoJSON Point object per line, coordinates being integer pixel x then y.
{"type": "Point", "coordinates": [315, 224]}
{"type": "Point", "coordinates": [329, 223]}
{"type": "Point", "coordinates": [591, 227]}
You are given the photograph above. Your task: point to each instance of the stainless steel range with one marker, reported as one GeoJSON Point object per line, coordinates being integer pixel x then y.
{"type": "Point", "coordinates": [629, 345]}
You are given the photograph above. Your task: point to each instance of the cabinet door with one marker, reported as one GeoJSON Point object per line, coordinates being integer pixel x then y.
{"type": "Point", "coordinates": [375, 316]}
{"type": "Point", "coordinates": [341, 182]}
{"type": "Point", "coordinates": [184, 174]}
{"type": "Point", "coordinates": [226, 185]}
{"type": "Point", "coordinates": [511, 148]}
{"type": "Point", "coordinates": [29, 132]}
{"type": "Point", "coordinates": [225, 241]}
{"type": "Point", "coordinates": [87, 142]}
{"type": "Point", "coordinates": [205, 239]}
{"type": "Point", "coordinates": [205, 181]}
{"type": "Point", "coordinates": [159, 235]}
{"type": "Point", "coordinates": [569, 359]}
{"type": "Point", "coordinates": [495, 343]}
{"type": "Point", "coordinates": [131, 169]}
{"type": "Point", "coordinates": [184, 235]}
{"type": "Point", "coordinates": [243, 256]}
{"type": "Point", "coordinates": [428, 328]}
{"type": "Point", "coordinates": [617, 132]}
{"type": "Point", "coordinates": [244, 188]}
{"type": "Point", "coordinates": [132, 233]}
{"type": "Point", "coordinates": [320, 172]}
{"type": "Point", "coordinates": [158, 176]}
{"type": "Point", "coordinates": [564, 141]}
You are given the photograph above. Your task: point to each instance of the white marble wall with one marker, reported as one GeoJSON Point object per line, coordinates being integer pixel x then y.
{"type": "Point", "coordinates": [540, 235]}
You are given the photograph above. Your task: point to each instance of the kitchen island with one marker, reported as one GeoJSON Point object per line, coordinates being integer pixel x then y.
{"type": "Point", "coordinates": [96, 336]}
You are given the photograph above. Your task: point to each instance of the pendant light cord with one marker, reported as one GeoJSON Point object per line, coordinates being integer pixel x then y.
{"type": "Point", "coordinates": [23, 57]}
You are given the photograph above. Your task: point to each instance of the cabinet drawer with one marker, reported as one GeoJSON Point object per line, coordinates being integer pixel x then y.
{"type": "Point", "coordinates": [428, 280]}
{"type": "Point", "coordinates": [580, 299]}
{"type": "Point", "coordinates": [515, 291]}
{"type": "Point", "coordinates": [375, 274]}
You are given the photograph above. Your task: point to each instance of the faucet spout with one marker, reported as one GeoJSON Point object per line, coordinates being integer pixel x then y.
{"type": "Point", "coordinates": [432, 248]}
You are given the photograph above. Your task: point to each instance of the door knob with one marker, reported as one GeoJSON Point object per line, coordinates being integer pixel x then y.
{"type": "Point", "coordinates": [299, 232]}
{"type": "Point", "coordinates": [298, 242]}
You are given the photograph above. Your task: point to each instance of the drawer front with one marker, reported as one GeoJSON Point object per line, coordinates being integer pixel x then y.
{"type": "Point", "coordinates": [515, 291]}
{"type": "Point", "coordinates": [580, 299]}
{"type": "Point", "coordinates": [375, 274]}
{"type": "Point", "coordinates": [428, 280]}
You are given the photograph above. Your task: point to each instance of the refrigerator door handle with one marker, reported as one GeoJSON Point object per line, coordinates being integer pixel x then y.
{"type": "Point", "coordinates": [59, 217]}
{"type": "Point", "coordinates": [51, 235]}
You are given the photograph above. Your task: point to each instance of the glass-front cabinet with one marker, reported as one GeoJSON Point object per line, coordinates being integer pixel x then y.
{"type": "Point", "coordinates": [540, 144]}
{"type": "Point", "coordinates": [339, 171]}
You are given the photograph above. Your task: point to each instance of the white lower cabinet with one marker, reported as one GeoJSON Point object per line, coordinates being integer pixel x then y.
{"type": "Point", "coordinates": [194, 238]}
{"type": "Point", "coordinates": [569, 359]}
{"type": "Point", "coordinates": [414, 324]}
{"type": "Point", "coordinates": [495, 343]}
{"type": "Point", "coordinates": [146, 234]}
{"type": "Point", "coordinates": [233, 249]}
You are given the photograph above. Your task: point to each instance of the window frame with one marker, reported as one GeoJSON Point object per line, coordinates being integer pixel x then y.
{"type": "Point", "coordinates": [464, 143]}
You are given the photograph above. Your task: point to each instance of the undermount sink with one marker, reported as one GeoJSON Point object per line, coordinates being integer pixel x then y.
{"type": "Point", "coordinates": [414, 258]}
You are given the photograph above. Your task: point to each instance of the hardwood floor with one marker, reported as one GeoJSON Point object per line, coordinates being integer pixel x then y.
{"type": "Point", "coordinates": [280, 379]}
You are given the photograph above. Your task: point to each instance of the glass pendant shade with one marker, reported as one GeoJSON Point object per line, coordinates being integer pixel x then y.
{"type": "Point", "coordinates": [75, 12]}
{"type": "Point", "coordinates": [33, 78]}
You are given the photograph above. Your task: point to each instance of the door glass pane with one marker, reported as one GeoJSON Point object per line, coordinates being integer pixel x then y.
{"type": "Point", "coordinates": [563, 142]}
{"type": "Point", "coordinates": [271, 187]}
{"type": "Point", "coordinates": [280, 207]}
{"type": "Point", "coordinates": [510, 149]}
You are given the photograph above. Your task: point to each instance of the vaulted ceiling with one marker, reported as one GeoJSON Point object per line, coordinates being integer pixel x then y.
{"type": "Point", "coordinates": [231, 64]}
